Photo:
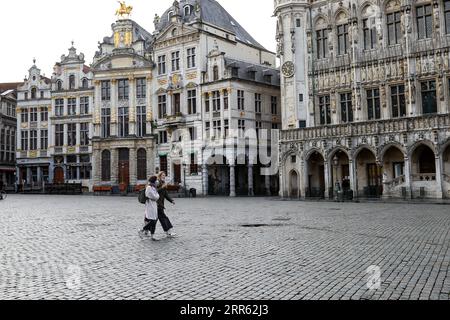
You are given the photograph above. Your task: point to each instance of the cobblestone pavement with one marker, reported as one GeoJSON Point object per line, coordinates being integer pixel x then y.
{"type": "Point", "coordinates": [88, 248]}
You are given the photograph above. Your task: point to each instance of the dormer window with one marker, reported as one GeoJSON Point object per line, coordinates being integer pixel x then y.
{"type": "Point", "coordinates": [72, 82]}
{"type": "Point", "coordinates": [33, 93]}
{"type": "Point", "coordinates": [187, 10]}
{"type": "Point", "coordinates": [174, 32]}
{"type": "Point", "coordinates": [85, 84]}
{"type": "Point", "coordinates": [59, 85]}
{"type": "Point", "coordinates": [252, 74]}
{"type": "Point", "coordinates": [169, 15]}
{"type": "Point", "coordinates": [234, 71]}
{"type": "Point", "coordinates": [216, 73]}
{"type": "Point", "coordinates": [268, 78]}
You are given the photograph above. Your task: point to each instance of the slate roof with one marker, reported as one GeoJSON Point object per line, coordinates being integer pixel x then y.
{"type": "Point", "coordinates": [213, 13]}
{"type": "Point", "coordinates": [9, 86]}
{"type": "Point", "coordinates": [244, 70]}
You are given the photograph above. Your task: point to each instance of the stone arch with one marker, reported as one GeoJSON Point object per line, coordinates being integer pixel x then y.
{"type": "Point", "coordinates": [362, 147]}
{"type": "Point", "coordinates": [368, 172]}
{"type": "Point", "coordinates": [384, 148]}
{"type": "Point", "coordinates": [443, 147]}
{"type": "Point", "coordinates": [341, 16]}
{"type": "Point", "coordinates": [294, 183]}
{"type": "Point", "coordinates": [335, 150]}
{"type": "Point", "coordinates": [368, 8]}
{"type": "Point", "coordinates": [310, 152]}
{"type": "Point", "coordinates": [320, 22]}
{"type": "Point", "coordinates": [391, 5]}
{"type": "Point", "coordinates": [417, 144]}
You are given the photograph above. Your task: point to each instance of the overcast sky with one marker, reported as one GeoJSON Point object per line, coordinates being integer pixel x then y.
{"type": "Point", "coordinates": [44, 29]}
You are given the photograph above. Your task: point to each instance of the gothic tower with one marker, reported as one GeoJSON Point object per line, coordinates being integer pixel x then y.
{"type": "Point", "coordinates": [293, 42]}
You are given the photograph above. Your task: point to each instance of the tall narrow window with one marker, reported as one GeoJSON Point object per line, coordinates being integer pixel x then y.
{"type": "Point", "coordinates": [71, 106]}
{"type": "Point", "coordinates": [324, 110]}
{"type": "Point", "coordinates": [142, 164]}
{"type": "Point", "coordinates": [59, 135]}
{"type": "Point", "coordinates": [33, 115]}
{"type": "Point", "coordinates": [429, 102]}
{"type": "Point", "coordinates": [322, 43]}
{"type": "Point", "coordinates": [162, 106]}
{"type": "Point", "coordinates": [215, 73]}
{"type": "Point", "coordinates": [274, 105]}
{"type": "Point", "coordinates": [33, 140]}
{"type": "Point", "coordinates": [106, 90]}
{"type": "Point", "coordinates": [447, 15]}
{"type": "Point", "coordinates": [193, 168]}
{"type": "Point", "coordinates": [192, 101]}
{"type": "Point", "coordinates": [226, 127]}
{"type": "Point", "coordinates": [163, 137]}
{"type": "Point", "coordinates": [207, 101]}
{"type": "Point", "coordinates": [72, 82]}
{"type": "Point", "coordinates": [72, 134]}
{"type": "Point", "coordinates": [424, 21]}
{"type": "Point", "coordinates": [106, 165]}
{"type": "Point", "coordinates": [394, 28]}
{"type": "Point", "coordinates": [161, 65]}
{"type": "Point", "coordinates": [24, 140]}
{"type": "Point", "coordinates": [258, 103]}
{"type": "Point", "coordinates": [141, 121]}
{"type": "Point", "coordinates": [176, 104]}
{"type": "Point", "coordinates": [24, 116]}
{"type": "Point", "coordinates": [44, 114]}
{"type": "Point", "coordinates": [59, 85]}
{"type": "Point", "coordinates": [346, 108]}
{"type": "Point", "coordinates": [84, 105]}
{"type": "Point", "coordinates": [33, 93]}
{"type": "Point", "coordinates": [241, 100]}
{"type": "Point", "coordinates": [216, 101]}
{"type": "Point", "coordinates": [85, 84]}
{"type": "Point", "coordinates": [141, 88]}
{"type": "Point", "coordinates": [241, 128]}
{"type": "Point", "coordinates": [176, 61]}
{"type": "Point", "coordinates": [106, 122]}
{"type": "Point", "coordinates": [398, 101]}
{"type": "Point", "coordinates": [370, 34]}
{"type": "Point", "coordinates": [373, 104]}
{"type": "Point", "coordinates": [124, 87]}
{"type": "Point", "coordinates": [191, 61]}
{"type": "Point", "coordinates": [225, 100]}
{"type": "Point", "coordinates": [343, 40]}
{"type": "Point", "coordinates": [124, 120]}
{"type": "Point", "coordinates": [59, 107]}
{"type": "Point", "coordinates": [84, 134]}
{"type": "Point", "coordinates": [44, 139]}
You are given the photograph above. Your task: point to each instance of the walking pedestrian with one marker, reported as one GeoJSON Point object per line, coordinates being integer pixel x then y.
{"type": "Point", "coordinates": [164, 195]}
{"type": "Point", "coordinates": [151, 209]}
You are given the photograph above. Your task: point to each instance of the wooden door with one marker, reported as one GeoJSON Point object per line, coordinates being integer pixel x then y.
{"type": "Point", "coordinates": [58, 176]}
{"type": "Point", "coordinates": [124, 172]}
{"type": "Point", "coordinates": [177, 173]}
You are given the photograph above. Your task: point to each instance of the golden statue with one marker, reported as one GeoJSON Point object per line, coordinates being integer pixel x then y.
{"type": "Point", "coordinates": [124, 10]}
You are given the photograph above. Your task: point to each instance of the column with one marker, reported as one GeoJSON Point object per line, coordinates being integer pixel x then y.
{"type": "Point", "coordinates": [352, 177]}
{"type": "Point", "coordinates": [327, 180]}
{"type": "Point", "coordinates": [39, 175]}
{"type": "Point", "coordinates": [114, 108]}
{"type": "Point", "coordinates": [205, 179]}
{"type": "Point", "coordinates": [132, 105]}
{"type": "Point", "coordinates": [408, 180]}
{"type": "Point", "coordinates": [250, 181]}
{"type": "Point", "coordinates": [17, 182]}
{"type": "Point", "coordinates": [267, 183]}
{"type": "Point", "coordinates": [281, 177]}
{"type": "Point", "coordinates": [78, 162]}
{"type": "Point", "coordinates": [304, 177]}
{"type": "Point", "coordinates": [232, 181]}
{"type": "Point", "coordinates": [96, 166]}
{"type": "Point", "coordinates": [78, 139]}
{"type": "Point", "coordinates": [439, 184]}
{"type": "Point", "coordinates": [114, 166]}
{"type": "Point", "coordinates": [133, 167]}
{"type": "Point", "coordinates": [29, 178]}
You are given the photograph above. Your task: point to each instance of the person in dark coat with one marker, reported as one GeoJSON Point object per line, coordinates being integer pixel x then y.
{"type": "Point", "coordinates": [164, 195]}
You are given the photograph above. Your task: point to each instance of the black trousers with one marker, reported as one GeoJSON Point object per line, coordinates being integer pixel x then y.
{"type": "Point", "coordinates": [151, 226]}
{"type": "Point", "coordinates": [165, 221]}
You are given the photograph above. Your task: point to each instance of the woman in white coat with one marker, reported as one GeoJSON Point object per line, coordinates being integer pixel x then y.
{"type": "Point", "coordinates": [151, 209]}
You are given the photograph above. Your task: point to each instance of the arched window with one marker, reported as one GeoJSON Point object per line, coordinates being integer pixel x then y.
{"type": "Point", "coordinates": [85, 83]}
{"type": "Point", "coordinates": [72, 82]}
{"type": "Point", "coordinates": [33, 93]}
{"type": "Point", "coordinates": [187, 10]}
{"type": "Point", "coordinates": [169, 15]}
{"type": "Point", "coordinates": [106, 165]}
{"type": "Point", "coordinates": [59, 85]}
{"type": "Point", "coordinates": [142, 164]}
{"type": "Point", "coordinates": [216, 73]}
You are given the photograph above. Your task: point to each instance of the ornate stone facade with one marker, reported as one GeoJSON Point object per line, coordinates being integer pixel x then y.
{"type": "Point", "coordinates": [372, 116]}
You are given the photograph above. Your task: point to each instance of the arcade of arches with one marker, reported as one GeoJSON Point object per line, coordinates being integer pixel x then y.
{"type": "Point", "coordinates": [391, 172]}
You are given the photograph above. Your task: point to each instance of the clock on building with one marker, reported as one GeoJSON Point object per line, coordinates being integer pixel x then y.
{"type": "Point", "coordinates": [288, 69]}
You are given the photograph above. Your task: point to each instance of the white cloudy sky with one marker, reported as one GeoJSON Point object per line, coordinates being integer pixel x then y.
{"type": "Point", "coordinates": [44, 29]}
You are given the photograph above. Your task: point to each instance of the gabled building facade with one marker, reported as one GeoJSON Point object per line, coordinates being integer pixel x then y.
{"type": "Point", "coordinates": [33, 131]}
{"type": "Point", "coordinates": [71, 121]}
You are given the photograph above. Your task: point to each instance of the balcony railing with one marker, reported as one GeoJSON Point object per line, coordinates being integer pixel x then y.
{"type": "Point", "coordinates": [425, 177]}
{"type": "Point", "coordinates": [434, 122]}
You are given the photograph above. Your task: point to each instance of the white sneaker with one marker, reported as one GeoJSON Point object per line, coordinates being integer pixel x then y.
{"type": "Point", "coordinates": [155, 239]}
{"type": "Point", "coordinates": [172, 235]}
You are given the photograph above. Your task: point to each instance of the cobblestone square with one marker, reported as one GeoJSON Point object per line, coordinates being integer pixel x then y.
{"type": "Point", "coordinates": [246, 248]}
